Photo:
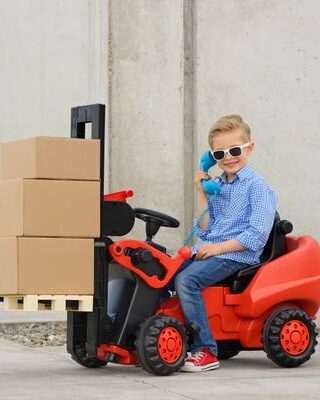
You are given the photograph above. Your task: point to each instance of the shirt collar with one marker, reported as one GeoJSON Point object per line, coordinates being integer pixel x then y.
{"type": "Point", "coordinates": [242, 174]}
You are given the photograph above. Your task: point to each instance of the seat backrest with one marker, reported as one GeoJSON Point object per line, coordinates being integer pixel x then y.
{"type": "Point", "coordinates": [275, 247]}
{"type": "Point", "coordinates": [276, 244]}
{"type": "Point", "coordinates": [117, 218]}
{"type": "Point", "coordinates": [269, 247]}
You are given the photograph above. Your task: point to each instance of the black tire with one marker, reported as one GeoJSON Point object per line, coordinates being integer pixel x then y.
{"type": "Point", "coordinates": [152, 347]}
{"type": "Point", "coordinates": [143, 361]}
{"type": "Point", "coordinates": [81, 357]}
{"type": "Point", "coordinates": [228, 350]}
{"type": "Point", "coordinates": [289, 337]}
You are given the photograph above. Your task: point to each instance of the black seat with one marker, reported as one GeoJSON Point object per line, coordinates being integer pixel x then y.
{"type": "Point", "coordinates": [276, 246]}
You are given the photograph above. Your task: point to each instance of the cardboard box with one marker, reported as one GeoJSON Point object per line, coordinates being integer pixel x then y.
{"type": "Point", "coordinates": [51, 158]}
{"type": "Point", "coordinates": [31, 207]}
{"type": "Point", "coordinates": [46, 266]}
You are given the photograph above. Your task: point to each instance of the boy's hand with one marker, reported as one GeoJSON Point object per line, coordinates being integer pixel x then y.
{"type": "Point", "coordinates": [215, 249]}
{"type": "Point", "coordinates": [199, 175]}
{"type": "Point", "coordinates": [208, 250]}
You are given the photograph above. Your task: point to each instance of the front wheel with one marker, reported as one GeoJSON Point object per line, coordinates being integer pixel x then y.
{"type": "Point", "coordinates": [161, 345]}
{"type": "Point", "coordinates": [289, 337]}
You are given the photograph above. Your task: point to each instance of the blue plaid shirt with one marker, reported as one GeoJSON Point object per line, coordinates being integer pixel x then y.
{"type": "Point", "coordinates": [244, 210]}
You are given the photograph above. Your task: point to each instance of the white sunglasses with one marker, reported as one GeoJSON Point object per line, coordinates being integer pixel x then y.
{"type": "Point", "coordinates": [234, 151]}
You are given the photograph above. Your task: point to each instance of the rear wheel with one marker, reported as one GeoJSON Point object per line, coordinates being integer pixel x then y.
{"type": "Point", "coordinates": [289, 337]}
{"type": "Point", "coordinates": [161, 345]}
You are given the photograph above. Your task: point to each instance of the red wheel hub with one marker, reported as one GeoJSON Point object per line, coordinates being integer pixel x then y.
{"type": "Point", "coordinates": [170, 344]}
{"type": "Point", "coordinates": [294, 337]}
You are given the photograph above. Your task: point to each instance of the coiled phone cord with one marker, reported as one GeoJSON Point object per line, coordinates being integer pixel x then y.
{"type": "Point", "coordinates": [189, 238]}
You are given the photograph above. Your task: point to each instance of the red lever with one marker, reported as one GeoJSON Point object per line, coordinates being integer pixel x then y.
{"type": "Point", "coordinates": [169, 264]}
{"type": "Point", "coordinates": [118, 196]}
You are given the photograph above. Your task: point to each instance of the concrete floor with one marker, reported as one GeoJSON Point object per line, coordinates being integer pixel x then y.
{"type": "Point", "coordinates": [49, 373]}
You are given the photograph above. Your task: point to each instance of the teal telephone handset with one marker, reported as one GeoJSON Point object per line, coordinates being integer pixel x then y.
{"type": "Point", "coordinates": [205, 163]}
{"type": "Point", "coordinates": [209, 186]}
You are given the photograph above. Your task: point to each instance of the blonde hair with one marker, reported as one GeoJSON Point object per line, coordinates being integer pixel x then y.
{"type": "Point", "coordinates": [228, 123]}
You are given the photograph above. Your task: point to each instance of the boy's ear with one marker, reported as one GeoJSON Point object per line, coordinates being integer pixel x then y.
{"type": "Point", "coordinates": [251, 147]}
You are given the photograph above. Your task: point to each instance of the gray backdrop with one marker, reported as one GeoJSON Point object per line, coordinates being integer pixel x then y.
{"type": "Point", "coordinates": [166, 69]}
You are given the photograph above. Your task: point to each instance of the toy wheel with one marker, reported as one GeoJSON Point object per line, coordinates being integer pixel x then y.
{"type": "Point", "coordinates": [81, 357]}
{"type": "Point", "coordinates": [161, 345]}
{"type": "Point", "coordinates": [289, 337]}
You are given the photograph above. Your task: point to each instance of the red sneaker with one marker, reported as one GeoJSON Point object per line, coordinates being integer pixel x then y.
{"type": "Point", "coordinates": [201, 361]}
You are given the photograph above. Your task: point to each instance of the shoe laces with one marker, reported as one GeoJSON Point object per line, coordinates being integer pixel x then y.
{"type": "Point", "coordinates": [198, 356]}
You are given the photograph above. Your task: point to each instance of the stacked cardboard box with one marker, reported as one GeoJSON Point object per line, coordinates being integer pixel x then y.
{"type": "Point", "coordinates": [49, 215]}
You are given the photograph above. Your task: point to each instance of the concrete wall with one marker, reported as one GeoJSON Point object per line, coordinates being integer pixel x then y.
{"type": "Point", "coordinates": [53, 55]}
{"type": "Point", "coordinates": [261, 59]}
{"type": "Point", "coordinates": [146, 125]}
{"type": "Point", "coordinates": [174, 67]}
{"type": "Point", "coordinates": [58, 54]}
{"type": "Point", "coordinates": [255, 58]}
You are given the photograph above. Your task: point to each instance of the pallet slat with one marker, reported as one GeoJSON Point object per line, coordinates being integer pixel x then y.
{"type": "Point", "coordinates": [48, 302]}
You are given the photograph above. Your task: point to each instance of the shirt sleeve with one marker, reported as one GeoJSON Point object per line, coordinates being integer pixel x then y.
{"type": "Point", "coordinates": [263, 208]}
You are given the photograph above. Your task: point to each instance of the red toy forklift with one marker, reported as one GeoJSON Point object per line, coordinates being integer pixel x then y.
{"type": "Point", "coordinates": [270, 306]}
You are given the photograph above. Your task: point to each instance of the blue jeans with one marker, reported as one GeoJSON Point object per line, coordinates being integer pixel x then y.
{"type": "Point", "coordinates": [192, 276]}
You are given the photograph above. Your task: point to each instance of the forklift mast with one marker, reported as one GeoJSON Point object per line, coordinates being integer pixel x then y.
{"type": "Point", "coordinates": [88, 327]}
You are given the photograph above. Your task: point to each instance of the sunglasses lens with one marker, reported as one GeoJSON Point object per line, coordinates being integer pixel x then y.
{"type": "Point", "coordinates": [218, 155]}
{"type": "Point", "coordinates": [235, 151]}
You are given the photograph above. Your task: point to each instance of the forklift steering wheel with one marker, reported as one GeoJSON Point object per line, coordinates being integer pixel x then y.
{"type": "Point", "coordinates": [156, 217]}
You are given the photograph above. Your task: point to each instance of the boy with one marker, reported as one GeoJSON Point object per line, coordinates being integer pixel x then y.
{"type": "Point", "coordinates": [233, 235]}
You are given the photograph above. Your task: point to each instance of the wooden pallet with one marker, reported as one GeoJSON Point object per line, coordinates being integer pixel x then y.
{"type": "Point", "coordinates": [48, 302]}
